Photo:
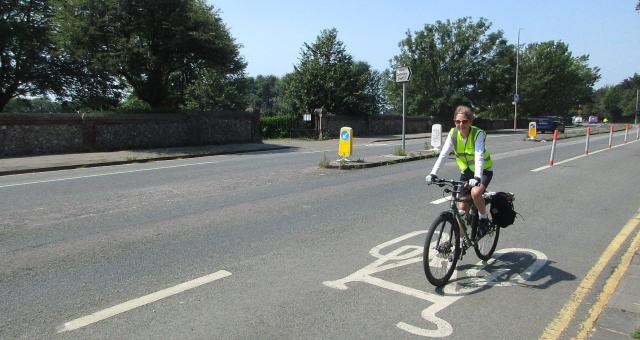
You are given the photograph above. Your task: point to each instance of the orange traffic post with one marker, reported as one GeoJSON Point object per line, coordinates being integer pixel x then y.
{"type": "Point", "coordinates": [553, 147]}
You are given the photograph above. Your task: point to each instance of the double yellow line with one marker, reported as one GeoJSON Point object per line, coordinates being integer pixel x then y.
{"type": "Point", "coordinates": [562, 321]}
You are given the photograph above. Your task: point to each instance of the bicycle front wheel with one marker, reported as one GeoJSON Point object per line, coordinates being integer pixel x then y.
{"type": "Point", "coordinates": [441, 250]}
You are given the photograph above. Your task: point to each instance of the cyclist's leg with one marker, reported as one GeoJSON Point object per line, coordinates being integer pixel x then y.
{"type": "Point", "coordinates": [476, 192]}
{"type": "Point", "coordinates": [465, 193]}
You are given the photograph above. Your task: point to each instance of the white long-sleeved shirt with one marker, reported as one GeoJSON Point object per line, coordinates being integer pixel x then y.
{"type": "Point", "coordinates": [478, 154]}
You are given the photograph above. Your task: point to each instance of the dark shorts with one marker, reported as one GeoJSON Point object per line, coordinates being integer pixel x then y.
{"type": "Point", "coordinates": [468, 174]}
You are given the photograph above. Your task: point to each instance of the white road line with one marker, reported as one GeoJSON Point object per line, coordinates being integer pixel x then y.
{"type": "Point", "coordinates": [141, 301]}
{"type": "Point", "coordinates": [108, 174]}
{"type": "Point", "coordinates": [578, 157]}
{"type": "Point", "coordinates": [442, 200]}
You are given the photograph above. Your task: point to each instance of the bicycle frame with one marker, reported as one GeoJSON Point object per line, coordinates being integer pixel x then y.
{"type": "Point", "coordinates": [467, 224]}
{"type": "Point", "coordinates": [471, 216]}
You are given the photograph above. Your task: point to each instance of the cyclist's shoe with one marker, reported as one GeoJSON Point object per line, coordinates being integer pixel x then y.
{"type": "Point", "coordinates": [483, 227]}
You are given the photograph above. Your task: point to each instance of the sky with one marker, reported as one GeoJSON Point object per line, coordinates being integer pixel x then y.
{"type": "Point", "coordinates": [273, 32]}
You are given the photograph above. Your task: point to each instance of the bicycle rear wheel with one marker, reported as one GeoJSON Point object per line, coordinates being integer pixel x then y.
{"type": "Point", "coordinates": [441, 250]}
{"type": "Point", "coordinates": [485, 246]}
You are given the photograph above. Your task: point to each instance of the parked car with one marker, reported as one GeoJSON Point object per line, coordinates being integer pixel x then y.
{"type": "Point", "coordinates": [577, 120]}
{"type": "Point", "coordinates": [549, 124]}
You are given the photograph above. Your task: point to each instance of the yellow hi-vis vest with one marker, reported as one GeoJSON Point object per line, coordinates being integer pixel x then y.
{"type": "Point", "coordinates": [465, 150]}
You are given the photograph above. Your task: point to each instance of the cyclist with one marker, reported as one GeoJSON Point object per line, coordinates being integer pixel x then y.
{"type": "Point", "coordinates": [473, 159]}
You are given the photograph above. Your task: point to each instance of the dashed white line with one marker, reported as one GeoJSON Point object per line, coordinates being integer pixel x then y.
{"type": "Point", "coordinates": [442, 200]}
{"type": "Point", "coordinates": [141, 301]}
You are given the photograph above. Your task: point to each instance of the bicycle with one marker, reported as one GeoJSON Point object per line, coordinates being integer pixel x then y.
{"type": "Point", "coordinates": [443, 247]}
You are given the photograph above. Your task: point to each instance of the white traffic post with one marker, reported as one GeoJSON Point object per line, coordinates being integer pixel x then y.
{"type": "Point", "coordinates": [436, 137]}
{"type": "Point", "coordinates": [638, 132]}
{"type": "Point", "coordinates": [610, 135]}
{"type": "Point", "coordinates": [586, 145]}
{"type": "Point", "coordinates": [553, 147]}
{"type": "Point", "coordinates": [626, 129]}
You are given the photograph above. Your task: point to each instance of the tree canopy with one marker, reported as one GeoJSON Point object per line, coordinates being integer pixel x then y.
{"type": "Point", "coordinates": [158, 48]}
{"type": "Point", "coordinates": [453, 63]}
{"type": "Point", "coordinates": [29, 63]}
{"type": "Point", "coordinates": [326, 76]}
{"type": "Point", "coordinates": [553, 80]}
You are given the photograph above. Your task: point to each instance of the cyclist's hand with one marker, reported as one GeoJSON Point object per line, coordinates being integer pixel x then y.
{"type": "Point", "coordinates": [431, 178]}
{"type": "Point", "coordinates": [474, 182]}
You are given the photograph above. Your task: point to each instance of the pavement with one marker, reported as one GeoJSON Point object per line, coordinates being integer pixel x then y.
{"type": "Point", "coordinates": [618, 320]}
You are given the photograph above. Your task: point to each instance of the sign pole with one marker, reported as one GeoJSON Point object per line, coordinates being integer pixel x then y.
{"type": "Point", "coordinates": [403, 75]}
{"type": "Point", "coordinates": [404, 103]}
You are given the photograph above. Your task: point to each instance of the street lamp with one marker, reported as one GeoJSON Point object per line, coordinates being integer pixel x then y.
{"type": "Point", "coordinates": [516, 96]}
{"type": "Point", "coordinates": [635, 119]}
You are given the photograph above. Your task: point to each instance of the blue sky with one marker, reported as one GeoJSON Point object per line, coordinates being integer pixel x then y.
{"type": "Point", "coordinates": [273, 32]}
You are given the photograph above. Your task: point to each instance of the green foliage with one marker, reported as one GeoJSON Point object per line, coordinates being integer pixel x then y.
{"type": "Point", "coordinates": [265, 91]}
{"type": "Point", "coordinates": [133, 104]}
{"type": "Point", "coordinates": [398, 151]}
{"type": "Point", "coordinates": [618, 103]}
{"type": "Point", "coordinates": [36, 105]}
{"type": "Point", "coordinates": [553, 80]}
{"type": "Point", "coordinates": [160, 48]}
{"type": "Point", "coordinates": [327, 76]}
{"type": "Point", "coordinates": [29, 62]}
{"type": "Point", "coordinates": [452, 63]}
{"type": "Point", "coordinates": [214, 90]}
{"type": "Point", "coordinates": [324, 162]}
{"type": "Point", "coordinates": [276, 126]}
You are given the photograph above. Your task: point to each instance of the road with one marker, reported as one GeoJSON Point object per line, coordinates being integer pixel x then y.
{"type": "Point", "coordinates": [268, 245]}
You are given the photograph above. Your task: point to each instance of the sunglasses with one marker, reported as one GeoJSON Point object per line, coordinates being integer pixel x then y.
{"type": "Point", "coordinates": [457, 121]}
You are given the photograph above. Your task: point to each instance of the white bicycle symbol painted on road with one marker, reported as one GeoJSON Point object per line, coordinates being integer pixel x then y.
{"type": "Point", "coordinates": [409, 254]}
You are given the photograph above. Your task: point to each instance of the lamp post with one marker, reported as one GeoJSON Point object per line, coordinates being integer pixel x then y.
{"type": "Point", "coordinates": [516, 96]}
{"type": "Point", "coordinates": [635, 120]}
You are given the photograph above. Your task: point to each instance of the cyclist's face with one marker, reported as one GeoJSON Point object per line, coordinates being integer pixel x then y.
{"type": "Point", "coordinates": [462, 122]}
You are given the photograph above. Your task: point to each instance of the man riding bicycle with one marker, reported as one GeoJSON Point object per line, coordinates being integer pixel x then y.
{"type": "Point", "coordinates": [473, 159]}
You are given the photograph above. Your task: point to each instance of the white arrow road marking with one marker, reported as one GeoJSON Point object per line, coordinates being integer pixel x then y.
{"type": "Point", "coordinates": [141, 301]}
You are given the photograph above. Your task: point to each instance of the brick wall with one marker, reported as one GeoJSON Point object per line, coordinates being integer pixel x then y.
{"type": "Point", "coordinates": [22, 135]}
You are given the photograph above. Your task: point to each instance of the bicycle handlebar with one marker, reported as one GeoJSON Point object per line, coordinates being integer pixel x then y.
{"type": "Point", "coordinates": [442, 182]}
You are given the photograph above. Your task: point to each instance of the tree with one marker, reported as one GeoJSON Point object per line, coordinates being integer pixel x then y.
{"type": "Point", "coordinates": [327, 76]}
{"type": "Point", "coordinates": [618, 102]}
{"type": "Point", "coordinates": [157, 47]}
{"type": "Point", "coordinates": [553, 80]}
{"type": "Point", "coordinates": [214, 90]}
{"type": "Point", "coordinates": [265, 91]}
{"type": "Point", "coordinates": [453, 63]}
{"type": "Point", "coordinates": [28, 59]}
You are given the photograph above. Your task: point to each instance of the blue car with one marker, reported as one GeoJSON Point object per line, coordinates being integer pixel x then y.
{"type": "Point", "coordinates": [549, 124]}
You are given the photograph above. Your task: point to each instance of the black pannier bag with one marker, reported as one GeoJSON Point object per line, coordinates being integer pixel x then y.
{"type": "Point", "coordinates": [502, 212]}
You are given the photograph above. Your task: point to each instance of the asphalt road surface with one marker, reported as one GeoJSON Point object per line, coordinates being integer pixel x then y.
{"type": "Point", "coordinates": [270, 246]}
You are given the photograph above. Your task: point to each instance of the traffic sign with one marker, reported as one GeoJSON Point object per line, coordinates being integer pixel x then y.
{"type": "Point", "coordinates": [532, 130]}
{"type": "Point", "coordinates": [403, 74]}
{"type": "Point", "coordinates": [345, 144]}
{"type": "Point", "coordinates": [516, 97]}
